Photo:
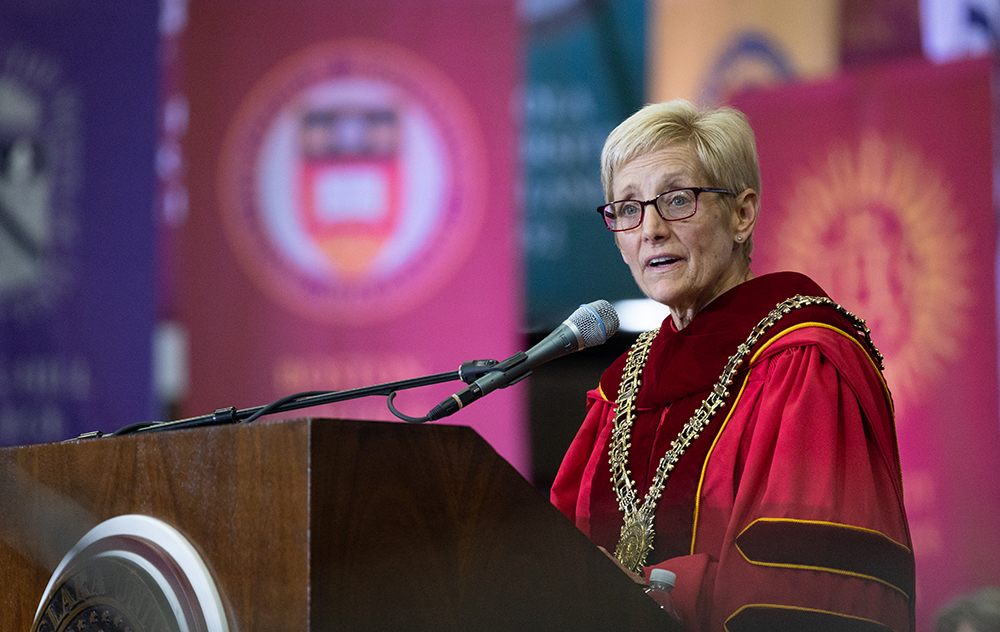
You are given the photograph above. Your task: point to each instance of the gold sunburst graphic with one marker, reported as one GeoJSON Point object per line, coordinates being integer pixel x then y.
{"type": "Point", "coordinates": [880, 230]}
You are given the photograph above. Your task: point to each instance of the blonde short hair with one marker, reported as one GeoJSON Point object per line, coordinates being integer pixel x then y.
{"type": "Point", "coordinates": [721, 138]}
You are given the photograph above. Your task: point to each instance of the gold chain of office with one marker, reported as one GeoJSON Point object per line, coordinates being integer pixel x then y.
{"type": "Point", "coordinates": [636, 540]}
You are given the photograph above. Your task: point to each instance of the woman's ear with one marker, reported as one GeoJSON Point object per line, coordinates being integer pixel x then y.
{"type": "Point", "coordinates": [746, 212]}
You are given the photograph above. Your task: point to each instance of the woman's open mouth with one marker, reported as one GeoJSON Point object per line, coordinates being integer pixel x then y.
{"type": "Point", "coordinates": [659, 262]}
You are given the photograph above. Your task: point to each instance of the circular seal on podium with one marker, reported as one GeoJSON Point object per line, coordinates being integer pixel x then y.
{"type": "Point", "coordinates": [131, 573]}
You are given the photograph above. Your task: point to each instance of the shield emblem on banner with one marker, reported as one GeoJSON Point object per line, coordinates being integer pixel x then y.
{"type": "Point", "coordinates": [349, 182]}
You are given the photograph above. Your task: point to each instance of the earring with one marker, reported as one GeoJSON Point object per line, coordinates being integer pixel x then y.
{"type": "Point", "coordinates": [739, 238]}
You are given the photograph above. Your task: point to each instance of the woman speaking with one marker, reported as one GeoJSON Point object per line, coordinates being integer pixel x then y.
{"type": "Point", "coordinates": [748, 443]}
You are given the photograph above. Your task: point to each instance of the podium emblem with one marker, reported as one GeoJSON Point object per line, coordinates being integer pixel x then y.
{"type": "Point", "coordinates": [131, 573]}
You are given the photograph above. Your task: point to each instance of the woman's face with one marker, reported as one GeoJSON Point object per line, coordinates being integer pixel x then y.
{"type": "Point", "coordinates": [683, 264]}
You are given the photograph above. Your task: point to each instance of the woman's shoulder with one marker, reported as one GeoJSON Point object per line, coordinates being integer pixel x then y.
{"type": "Point", "coordinates": [830, 358]}
{"type": "Point", "coordinates": [829, 339]}
{"type": "Point", "coordinates": [849, 359]}
{"type": "Point", "coordinates": [813, 317]}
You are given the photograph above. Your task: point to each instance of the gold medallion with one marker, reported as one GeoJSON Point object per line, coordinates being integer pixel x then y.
{"type": "Point", "coordinates": [635, 542]}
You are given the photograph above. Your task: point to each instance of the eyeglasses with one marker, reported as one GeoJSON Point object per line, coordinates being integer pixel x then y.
{"type": "Point", "coordinates": [672, 205]}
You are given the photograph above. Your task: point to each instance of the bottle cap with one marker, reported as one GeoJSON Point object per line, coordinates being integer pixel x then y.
{"type": "Point", "coordinates": [663, 575]}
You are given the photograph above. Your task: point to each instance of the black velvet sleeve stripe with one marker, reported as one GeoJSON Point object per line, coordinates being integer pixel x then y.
{"type": "Point", "coordinates": [766, 618]}
{"type": "Point", "coordinates": [829, 547]}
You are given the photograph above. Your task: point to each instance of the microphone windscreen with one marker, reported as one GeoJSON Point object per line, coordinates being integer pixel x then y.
{"type": "Point", "coordinates": [596, 322]}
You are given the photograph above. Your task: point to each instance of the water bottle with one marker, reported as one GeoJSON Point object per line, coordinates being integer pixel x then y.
{"type": "Point", "coordinates": [661, 582]}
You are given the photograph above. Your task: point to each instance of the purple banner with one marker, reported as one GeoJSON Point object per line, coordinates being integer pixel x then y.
{"type": "Point", "coordinates": [78, 87]}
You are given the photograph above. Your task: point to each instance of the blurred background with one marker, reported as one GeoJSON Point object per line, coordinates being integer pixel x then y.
{"type": "Point", "coordinates": [214, 204]}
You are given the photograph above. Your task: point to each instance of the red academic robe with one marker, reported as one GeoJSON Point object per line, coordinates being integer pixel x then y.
{"type": "Point", "coordinates": [787, 512]}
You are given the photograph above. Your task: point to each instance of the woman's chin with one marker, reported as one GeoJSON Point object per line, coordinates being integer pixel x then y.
{"type": "Point", "coordinates": [663, 293]}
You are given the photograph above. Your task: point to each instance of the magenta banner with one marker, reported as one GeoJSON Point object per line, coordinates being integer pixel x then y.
{"type": "Point", "coordinates": [352, 217]}
{"type": "Point", "coordinates": [879, 186]}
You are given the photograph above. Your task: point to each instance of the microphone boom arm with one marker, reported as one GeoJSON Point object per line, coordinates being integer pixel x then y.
{"type": "Point", "coordinates": [468, 372]}
{"type": "Point", "coordinates": [591, 324]}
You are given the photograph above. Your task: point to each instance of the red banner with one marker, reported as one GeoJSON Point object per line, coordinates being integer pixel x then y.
{"type": "Point", "coordinates": [878, 185]}
{"type": "Point", "coordinates": [352, 218]}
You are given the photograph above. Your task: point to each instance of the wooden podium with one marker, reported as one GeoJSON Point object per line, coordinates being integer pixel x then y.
{"type": "Point", "coordinates": [318, 524]}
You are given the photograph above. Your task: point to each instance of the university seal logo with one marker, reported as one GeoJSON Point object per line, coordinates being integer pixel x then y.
{"type": "Point", "coordinates": [131, 573]}
{"type": "Point", "coordinates": [351, 181]}
{"type": "Point", "coordinates": [872, 226]}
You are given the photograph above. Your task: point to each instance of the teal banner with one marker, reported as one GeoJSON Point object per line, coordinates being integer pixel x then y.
{"type": "Point", "coordinates": [585, 74]}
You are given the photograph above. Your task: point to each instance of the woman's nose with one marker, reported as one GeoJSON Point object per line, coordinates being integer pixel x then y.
{"type": "Point", "coordinates": [653, 226]}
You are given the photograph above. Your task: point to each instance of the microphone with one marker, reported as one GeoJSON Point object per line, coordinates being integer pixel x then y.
{"type": "Point", "coordinates": [590, 325]}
